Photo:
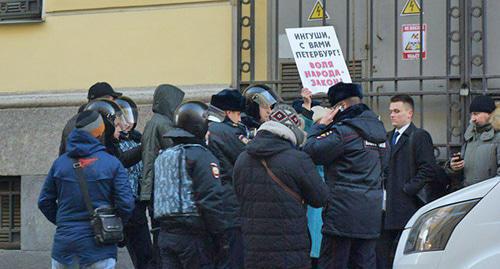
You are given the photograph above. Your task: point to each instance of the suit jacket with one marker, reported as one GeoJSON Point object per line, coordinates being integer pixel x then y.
{"type": "Point", "coordinates": [400, 184]}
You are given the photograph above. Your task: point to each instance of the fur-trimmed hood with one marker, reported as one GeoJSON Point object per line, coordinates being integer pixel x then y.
{"type": "Point", "coordinates": [495, 119]}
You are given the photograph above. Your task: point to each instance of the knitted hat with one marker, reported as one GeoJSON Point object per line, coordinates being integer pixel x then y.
{"type": "Point", "coordinates": [342, 91]}
{"type": "Point", "coordinates": [91, 122]}
{"type": "Point", "coordinates": [228, 99]}
{"type": "Point", "coordinates": [287, 116]}
{"type": "Point", "coordinates": [482, 103]}
{"type": "Point", "coordinates": [101, 89]}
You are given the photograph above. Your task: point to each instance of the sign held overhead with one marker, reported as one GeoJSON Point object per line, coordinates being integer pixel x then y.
{"type": "Point", "coordinates": [318, 56]}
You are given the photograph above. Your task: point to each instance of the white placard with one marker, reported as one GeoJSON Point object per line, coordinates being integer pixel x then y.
{"type": "Point", "coordinates": [318, 57]}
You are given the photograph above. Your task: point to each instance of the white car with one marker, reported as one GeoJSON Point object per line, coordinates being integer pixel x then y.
{"type": "Point", "coordinates": [460, 230]}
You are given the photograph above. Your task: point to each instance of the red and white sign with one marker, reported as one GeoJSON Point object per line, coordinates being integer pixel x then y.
{"type": "Point", "coordinates": [412, 41]}
{"type": "Point", "coordinates": [318, 56]}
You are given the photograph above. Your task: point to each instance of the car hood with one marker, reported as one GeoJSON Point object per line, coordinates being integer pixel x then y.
{"type": "Point", "coordinates": [475, 191]}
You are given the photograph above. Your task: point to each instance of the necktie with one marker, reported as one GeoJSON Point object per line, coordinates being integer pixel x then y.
{"type": "Point", "coordinates": [395, 137]}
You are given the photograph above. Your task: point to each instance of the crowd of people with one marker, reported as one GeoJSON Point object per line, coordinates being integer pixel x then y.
{"type": "Point", "coordinates": [248, 181]}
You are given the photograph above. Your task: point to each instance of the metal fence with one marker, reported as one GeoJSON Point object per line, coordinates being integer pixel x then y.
{"type": "Point", "coordinates": [463, 53]}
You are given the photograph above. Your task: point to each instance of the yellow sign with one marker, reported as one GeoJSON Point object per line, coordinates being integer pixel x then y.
{"type": "Point", "coordinates": [411, 8]}
{"type": "Point", "coordinates": [317, 12]}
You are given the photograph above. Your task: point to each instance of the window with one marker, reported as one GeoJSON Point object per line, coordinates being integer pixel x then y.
{"type": "Point", "coordinates": [12, 11]}
{"type": "Point", "coordinates": [10, 212]}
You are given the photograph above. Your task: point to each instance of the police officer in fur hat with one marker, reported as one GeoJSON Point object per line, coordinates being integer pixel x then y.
{"type": "Point", "coordinates": [226, 140]}
{"type": "Point", "coordinates": [350, 142]}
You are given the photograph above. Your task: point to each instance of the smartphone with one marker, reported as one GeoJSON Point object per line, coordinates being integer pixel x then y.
{"type": "Point", "coordinates": [457, 154]}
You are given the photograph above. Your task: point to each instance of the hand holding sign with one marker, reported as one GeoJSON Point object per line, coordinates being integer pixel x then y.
{"type": "Point", "coordinates": [318, 57]}
{"type": "Point", "coordinates": [307, 97]}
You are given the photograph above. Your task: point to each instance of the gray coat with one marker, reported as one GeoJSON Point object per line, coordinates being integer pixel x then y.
{"type": "Point", "coordinates": [166, 99]}
{"type": "Point", "coordinates": [481, 155]}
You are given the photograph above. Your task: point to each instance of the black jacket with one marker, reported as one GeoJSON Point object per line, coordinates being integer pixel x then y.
{"type": "Point", "coordinates": [401, 185]}
{"type": "Point", "coordinates": [166, 99]}
{"type": "Point", "coordinates": [274, 223]}
{"type": "Point", "coordinates": [353, 152]}
{"type": "Point", "coordinates": [226, 141]}
{"type": "Point", "coordinates": [201, 165]}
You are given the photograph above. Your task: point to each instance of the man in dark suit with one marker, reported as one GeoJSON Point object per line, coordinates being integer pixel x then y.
{"type": "Point", "coordinates": [403, 179]}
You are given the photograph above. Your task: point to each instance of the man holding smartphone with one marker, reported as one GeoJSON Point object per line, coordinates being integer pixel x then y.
{"type": "Point", "coordinates": [349, 142]}
{"type": "Point", "coordinates": [479, 158]}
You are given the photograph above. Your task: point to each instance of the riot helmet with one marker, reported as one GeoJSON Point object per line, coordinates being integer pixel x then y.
{"type": "Point", "coordinates": [259, 96]}
{"type": "Point", "coordinates": [129, 109]}
{"type": "Point", "coordinates": [109, 110]}
{"type": "Point", "coordinates": [192, 117]}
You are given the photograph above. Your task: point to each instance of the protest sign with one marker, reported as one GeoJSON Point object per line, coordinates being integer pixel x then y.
{"type": "Point", "coordinates": [318, 56]}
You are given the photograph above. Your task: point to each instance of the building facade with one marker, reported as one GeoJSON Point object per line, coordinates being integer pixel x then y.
{"type": "Point", "coordinates": [51, 51]}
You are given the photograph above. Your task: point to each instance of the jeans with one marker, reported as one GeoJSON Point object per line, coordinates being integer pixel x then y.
{"type": "Point", "coordinates": [102, 264]}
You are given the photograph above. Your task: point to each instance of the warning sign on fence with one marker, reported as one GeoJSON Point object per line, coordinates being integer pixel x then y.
{"type": "Point", "coordinates": [412, 41]}
{"type": "Point", "coordinates": [411, 8]}
{"type": "Point", "coordinates": [318, 57]}
{"type": "Point", "coordinates": [318, 12]}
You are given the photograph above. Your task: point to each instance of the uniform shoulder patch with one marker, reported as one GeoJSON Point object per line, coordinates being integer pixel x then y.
{"type": "Point", "coordinates": [215, 170]}
{"type": "Point", "coordinates": [325, 134]}
{"type": "Point", "coordinates": [373, 145]}
{"type": "Point", "coordinates": [243, 139]}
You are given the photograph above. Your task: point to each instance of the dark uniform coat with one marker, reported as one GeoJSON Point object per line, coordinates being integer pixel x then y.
{"type": "Point", "coordinates": [226, 141]}
{"type": "Point", "coordinates": [352, 151]}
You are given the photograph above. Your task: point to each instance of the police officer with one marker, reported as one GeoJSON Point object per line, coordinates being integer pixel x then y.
{"type": "Point", "coordinates": [260, 100]}
{"type": "Point", "coordinates": [350, 142]}
{"type": "Point", "coordinates": [226, 140]}
{"type": "Point", "coordinates": [187, 194]}
{"type": "Point", "coordinates": [100, 90]}
{"type": "Point", "coordinates": [115, 122]}
{"type": "Point", "coordinates": [137, 236]}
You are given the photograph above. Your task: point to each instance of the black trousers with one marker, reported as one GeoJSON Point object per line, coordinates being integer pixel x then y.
{"type": "Point", "coordinates": [339, 252]}
{"type": "Point", "coordinates": [386, 248]}
{"type": "Point", "coordinates": [185, 251]}
{"type": "Point", "coordinates": [235, 258]}
{"type": "Point", "coordinates": [138, 238]}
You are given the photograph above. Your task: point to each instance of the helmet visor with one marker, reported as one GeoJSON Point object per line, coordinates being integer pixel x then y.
{"type": "Point", "coordinates": [264, 99]}
{"type": "Point", "coordinates": [215, 114]}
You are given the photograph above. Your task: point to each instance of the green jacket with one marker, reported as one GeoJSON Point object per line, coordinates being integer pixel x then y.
{"type": "Point", "coordinates": [481, 155]}
{"type": "Point", "coordinates": [166, 99]}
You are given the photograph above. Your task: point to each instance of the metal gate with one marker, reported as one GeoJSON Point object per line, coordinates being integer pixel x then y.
{"type": "Point", "coordinates": [455, 38]}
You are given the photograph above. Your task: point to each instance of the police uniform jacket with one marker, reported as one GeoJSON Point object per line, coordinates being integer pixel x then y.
{"type": "Point", "coordinates": [352, 151]}
{"type": "Point", "coordinates": [226, 141]}
{"type": "Point", "coordinates": [203, 169]}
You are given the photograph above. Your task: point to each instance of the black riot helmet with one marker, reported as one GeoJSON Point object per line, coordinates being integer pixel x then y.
{"type": "Point", "coordinates": [256, 96]}
{"type": "Point", "coordinates": [192, 118]}
{"type": "Point", "coordinates": [129, 109]}
{"type": "Point", "coordinates": [109, 110]}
